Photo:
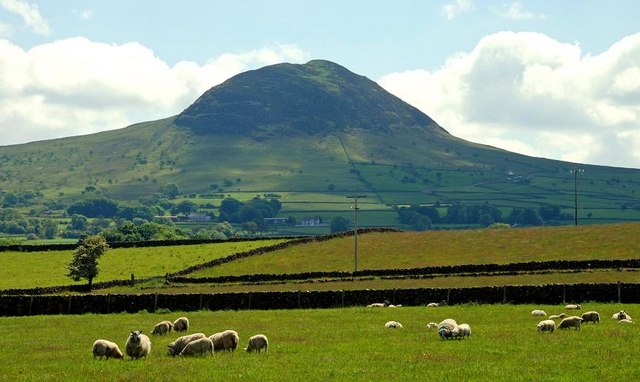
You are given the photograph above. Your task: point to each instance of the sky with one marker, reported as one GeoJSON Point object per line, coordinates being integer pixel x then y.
{"type": "Point", "coordinates": [546, 78]}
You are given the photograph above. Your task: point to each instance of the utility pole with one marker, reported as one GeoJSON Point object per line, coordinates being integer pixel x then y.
{"type": "Point", "coordinates": [355, 197]}
{"type": "Point", "coordinates": [575, 172]}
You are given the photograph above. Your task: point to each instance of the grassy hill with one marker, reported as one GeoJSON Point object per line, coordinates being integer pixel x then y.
{"type": "Point", "coordinates": [311, 134]}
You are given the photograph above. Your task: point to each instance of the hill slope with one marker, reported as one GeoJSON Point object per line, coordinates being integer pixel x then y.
{"type": "Point", "coordinates": [311, 132]}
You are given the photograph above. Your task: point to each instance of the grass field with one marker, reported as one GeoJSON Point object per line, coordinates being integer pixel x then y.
{"type": "Point", "coordinates": [41, 269]}
{"type": "Point", "coordinates": [332, 345]}
{"type": "Point", "coordinates": [434, 248]}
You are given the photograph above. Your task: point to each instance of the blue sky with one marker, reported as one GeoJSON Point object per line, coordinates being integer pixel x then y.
{"type": "Point", "coordinates": [557, 79]}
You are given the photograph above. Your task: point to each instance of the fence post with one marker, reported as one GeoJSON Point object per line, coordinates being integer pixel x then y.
{"type": "Point", "coordinates": [133, 280]}
{"type": "Point", "coordinates": [30, 304]}
{"type": "Point", "coordinates": [69, 306]}
{"type": "Point", "coordinates": [155, 303]}
{"type": "Point", "coordinates": [564, 293]}
{"type": "Point", "coordinates": [619, 292]}
{"type": "Point", "coordinates": [448, 294]}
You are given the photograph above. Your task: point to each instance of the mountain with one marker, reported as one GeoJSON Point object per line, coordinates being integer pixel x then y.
{"type": "Point", "coordinates": [311, 133]}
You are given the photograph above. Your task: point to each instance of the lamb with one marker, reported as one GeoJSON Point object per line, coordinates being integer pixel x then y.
{"type": "Point", "coordinates": [570, 322]}
{"type": "Point", "coordinates": [107, 349]}
{"type": "Point", "coordinates": [625, 321]}
{"type": "Point", "coordinates": [432, 305]}
{"type": "Point", "coordinates": [138, 345]}
{"type": "Point", "coordinates": [201, 346]}
{"type": "Point", "coordinates": [393, 325]}
{"type": "Point", "coordinates": [573, 307]}
{"type": "Point", "coordinates": [181, 324]}
{"type": "Point", "coordinates": [226, 340]}
{"type": "Point", "coordinates": [178, 345]}
{"type": "Point", "coordinates": [556, 316]}
{"type": "Point", "coordinates": [538, 312]}
{"type": "Point", "coordinates": [162, 328]}
{"type": "Point", "coordinates": [591, 316]}
{"type": "Point", "coordinates": [257, 343]}
{"type": "Point", "coordinates": [621, 315]}
{"type": "Point", "coordinates": [546, 326]}
{"type": "Point", "coordinates": [445, 328]}
{"type": "Point", "coordinates": [461, 331]}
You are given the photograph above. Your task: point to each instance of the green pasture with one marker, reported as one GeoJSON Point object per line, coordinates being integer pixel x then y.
{"type": "Point", "coordinates": [391, 250]}
{"type": "Point", "coordinates": [605, 276]}
{"type": "Point", "coordinates": [42, 269]}
{"type": "Point", "coordinates": [348, 344]}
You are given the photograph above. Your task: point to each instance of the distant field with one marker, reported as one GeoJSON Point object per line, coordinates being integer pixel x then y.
{"type": "Point", "coordinates": [332, 345]}
{"type": "Point", "coordinates": [434, 248]}
{"type": "Point", "coordinates": [41, 269]}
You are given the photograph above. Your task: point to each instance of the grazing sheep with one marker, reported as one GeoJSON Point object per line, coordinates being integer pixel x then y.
{"type": "Point", "coordinates": [625, 321]}
{"type": "Point", "coordinates": [162, 328]}
{"type": "Point", "coordinates": [432, 305]}
{"type": "Point", "coordinates": [138, 345]}
{"type": "Point", "coordinates": [181, 324]}
{"type": "Point", "coordinates": [621, 315]}
{"type": "Point", "coordinates": [538, 312]}
{"type": "Point", "coordinates": [445, 328]}
{"type": "Point", "coordinates": [570, 322]}
{"type": "Point", "coordinates": [591, 316]}
{"type": "Point", "coordinates": [257, 343]}
{"type": "Point", "coordinates": [178, 345]}
{"type": "Point", "coordinates": [226, 340]}
{"type": "Point", "coordinates": [556, 316]}
{"type": "Point", "coordinates": [395, 306]}
{"type": "Point", "coordinates": [573, 307]}
{"type": "Point", "coordinates": [393, 325]}
{"type": "Point", "coordinates": [546, 326]}
{"type": "Point", "coordinates": [107, 349]}
{"type": "Point", "coordinates": [201, 346]}
{"type": "Point", "coordinates": [432, 325]}
{"type": "Point", "coordinates": [461, 331]}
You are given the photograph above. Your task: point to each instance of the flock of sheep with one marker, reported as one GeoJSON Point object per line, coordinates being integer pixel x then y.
{"type": "Point", "coordinates": [138, 345]}
{"type": "Point", "coordinates": [450, 329]}
{"type": "Point", "coordinates": [549, 325]}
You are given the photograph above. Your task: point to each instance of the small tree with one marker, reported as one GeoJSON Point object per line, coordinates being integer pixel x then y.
{"type": "Point", "coordinates": [84, 264]}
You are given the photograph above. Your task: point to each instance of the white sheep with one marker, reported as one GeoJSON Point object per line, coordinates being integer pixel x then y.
{"type": "Point", "coordinates": [201, 346]}
{"type": "Point", "coordinates": [556, 316]}
{"type": "Point", "coordinates": [570, 322]}
{"type": "Point", "coordinates": [432, 305]}
{"type": "Point", "coordinates": [573, 307]}
{"type": "Point", "coordinates": [178, 345]}
{"type": "Point", "coordinates": [621, 315]}
{"type": "Point", "coordinates": [181, 324]}
{"type": "Point", "coordinates": [546, 326]}
{"type": "Point", "coordinates": [162, 328]}
{"type": "Point", "coordinates": [138, 345]}
{"type": "Point", "coordinates": [432, 325]}
{"type": "Point", "coordinates": [625, 321]}
{"type": "Point", "coordinates": [445, 328]}
{"type": "Point", "coordinates": [591, 316]}
{"type": "Point", "coordinates": [538, 312]}
{"type": "Point", "coordinates": [461, 331]}
{"type": "Point", "coordinates": [107, 349]}
{"type": "Point", "coordinates": [395, 306]}
{"type": "Point", "coordinates": [226, 340]}
{"type": "Point", "coordinates": [393, 325]}
{"type": "Point", "coordinates": [257, 343]}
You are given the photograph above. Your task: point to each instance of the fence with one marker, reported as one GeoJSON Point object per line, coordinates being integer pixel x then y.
{"type": "Point", "coordinates": [25, 305]}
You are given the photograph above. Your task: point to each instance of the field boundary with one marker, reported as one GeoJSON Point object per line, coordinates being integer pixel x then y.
{"type": "Point", "coordinates": [550, 294]}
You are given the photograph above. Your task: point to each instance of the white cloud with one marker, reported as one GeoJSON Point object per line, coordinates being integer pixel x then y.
{"type": "Point", "coordinates": [453, 9]}
{"type": "Point", "coordinates": [515, 11]}
{"type": "Point", "coordinates": [29, 13]}
{"type": "Point", "coordinates": [529, 93]}
{"type": "Point", "coordinates": [84, 13]}
{"type": "Point", "coordinates": [5, 30]}
{"type": "Point", "coordinates": [76, 86]}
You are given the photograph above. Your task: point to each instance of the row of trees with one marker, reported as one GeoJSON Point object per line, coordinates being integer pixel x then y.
{"type": "Point", "coordinates": [422, 217]}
